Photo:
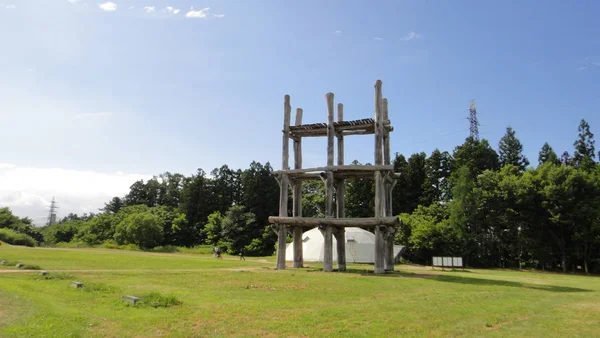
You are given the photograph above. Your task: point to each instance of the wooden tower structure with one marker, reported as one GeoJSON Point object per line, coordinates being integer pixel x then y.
{"type": "Point", "coordinates": [334, 176]}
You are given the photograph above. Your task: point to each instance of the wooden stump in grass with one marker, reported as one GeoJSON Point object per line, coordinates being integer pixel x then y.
{"type": "Point", "coordinates": [76, 285]}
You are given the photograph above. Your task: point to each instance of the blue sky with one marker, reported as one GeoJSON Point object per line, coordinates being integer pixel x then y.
{"type": "Point", "coordinates": [107, 89]}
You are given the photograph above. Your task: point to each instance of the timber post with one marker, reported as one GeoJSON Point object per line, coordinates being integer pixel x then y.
{"type": "Point", "coordinates": [333, 176]}
{"type": "Point", "coordinates": [297, 196]}
{"type": "Point", "coordinates": [340, 196]}
{"type": "Point", "coordinates": [379, 181]}
{"type": "Point", "coordinates": [328, 232]}
{"type": "Point", "coordinates": [283, 190]}
{"type": "Point", "coordinates": [389, 185]}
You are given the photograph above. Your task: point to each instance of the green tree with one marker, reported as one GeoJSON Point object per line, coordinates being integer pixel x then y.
{"type": "Point", "coordinates": [226, 188]}
{"type": "Point", "coordinates": [438, 168]}
{"type": "Point", "coordinates": [510, 150]}
{"type": "Point", "coordinates": [20, 225]}
{"type": "Point", "coordinates": [360, 196]}
{"type": "Point", "coordinates": [566, 159]}
{"type": "Point", "coordinates": [196, 205]}
{"type": "Point", "coordinates": [462, 210]}
{"type": "Point", "coordinates": [477, 156]}
{"type": "Point", "coordinates": [97, 230]}
{"type": "Point", "coordinates": [112, 207]}
{"type": "Point", "coordinates": [62, 232]}
{"type": "Point", "coordinates": [427, 232]}
{"type": "Point", "coordinates": [239, 227]}
{"type": "Point", "coordinates": [547, 155]}
{"type": "Point", "coordinates": [585, 151]}
{"type": "Point", "coordinates": [213, 228]}
{"type": "Point", "coordinates": [143, 229]}
{"type": "Point", "coordinates": [260, 192]}
{"type": "Point", "coordinates": [313, 198]}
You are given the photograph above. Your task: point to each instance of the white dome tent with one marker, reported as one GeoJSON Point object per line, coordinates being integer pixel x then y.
{"type": "Point", "coordinates": [360, 246]}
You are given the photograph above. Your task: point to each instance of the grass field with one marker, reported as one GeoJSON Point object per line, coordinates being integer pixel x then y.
{"type": "Point", "coordinates": [227, 298]}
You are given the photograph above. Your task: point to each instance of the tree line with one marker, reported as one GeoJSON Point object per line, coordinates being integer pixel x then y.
{"type": "Point", "coordinates": [490, 206]}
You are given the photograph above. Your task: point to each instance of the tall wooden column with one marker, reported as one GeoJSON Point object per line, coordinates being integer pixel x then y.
{"type": "Point", "coordinates": [297, 195]}
{"type": "Point", "coordinates": [379, 181]}
{"type": "Point", "coordinates": [283, 191]}
{"type": "Point", "coordinates": [340, 192]}
{"type": "Point", "coordinates": [389, 236]}
{"type": "Point", "coordinates": [328, 250]}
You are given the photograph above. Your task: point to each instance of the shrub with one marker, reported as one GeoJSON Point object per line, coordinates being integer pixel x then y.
{"type": "Point", "coordinates": [113, 245]}
{"type": "Point", "coordinates": [72, 245]}
{"type": "Point", "coordinates": [199, 249]}
{"type": "Point", "coordinates": [54, 276]}
{"type": "Point", "coordinates": [156, 300]}
{"type": "Point", "coordinates": [165, 248]}
{"type": "Point", "coordinates": [14, 238]}
{"type": "Point", "coordinates": [31, 267]}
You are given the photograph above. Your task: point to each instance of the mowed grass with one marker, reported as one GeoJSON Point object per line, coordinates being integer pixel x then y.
{"type": "Point", "coordinates": [226, 298]}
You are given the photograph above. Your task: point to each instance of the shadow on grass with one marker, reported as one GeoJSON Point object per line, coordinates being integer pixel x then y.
{"type": "Point", "coordinates": [465, 280]}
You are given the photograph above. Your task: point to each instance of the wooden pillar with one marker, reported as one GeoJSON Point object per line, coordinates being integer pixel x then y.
{"type": "Point", "coordinates": [389, 248]}
{"type": "Point", "coordinates": [389, 235]}
{"type": "Point", "coordinates": [283, 190]}
{"type": "Point", "coordinates": [297, 195]}
{"type": "Point", "coordinates": [379, 181]}
{"type": "Point", "coordinates": [328, 250]}
{"type": "Point", "coordinates": [340, 195]}
{"type": "Point", "coordinates": [327, 231]}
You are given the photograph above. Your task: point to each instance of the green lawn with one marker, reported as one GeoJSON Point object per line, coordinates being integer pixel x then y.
{"type": "Point", "coordinates": [232, 298]}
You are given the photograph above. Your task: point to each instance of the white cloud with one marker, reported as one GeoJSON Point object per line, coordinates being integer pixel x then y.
{"type": "Point", "coordinates": [150, 9]}
{"type": "Point", "coordinates": [411, 36]}
{"type": "Point", "coordinates": [28, 191]}
{"type": "Point", "coordinates": [131, 7]}
{"type": "Point", "coordinates": [10, 6]}
{"type": "Point", "coordinates": [219, 15]}
{"type": "Point", "coordinates": [582, 68]}
{"type": "Point", "coordinates": [201, 13]}
{"type": "Point", "coordinates": [108, 6]}
{"type": "Point", "coordinates": [377, 38]}
{"type": "Point", "coordinates": [171, 10]}
{"type": "Point", "coordinates": [596, 63]}
{"type": "Point", "coordinates": [74, 1]}
{"type": "Point", "coordinates": [89, 115]}
{"type": "Point", "coordinates": [7, 166]}
{"type": "Point", "coordinates": [337, 32]}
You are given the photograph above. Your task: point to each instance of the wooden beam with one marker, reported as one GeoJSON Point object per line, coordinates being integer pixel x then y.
{"type": "Point", "coordinates": [347, 130]}
{"type": "Point", "coordinates": [370, 168]}
{"type": "Point", "coordinates": [367, 222]}
{"type": "Point", "coordinates": [297, 198]}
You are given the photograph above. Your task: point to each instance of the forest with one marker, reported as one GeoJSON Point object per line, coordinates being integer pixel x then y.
{"type": "Point", "coordinates": [493, 207]}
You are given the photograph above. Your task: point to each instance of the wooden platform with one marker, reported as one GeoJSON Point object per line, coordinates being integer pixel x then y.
{"type": "Point", "coordinates": [369, 222]}
{"type": "Point", "coordinates": [339, 172]}
{"type": "Point", "coordinates": [355, 127]}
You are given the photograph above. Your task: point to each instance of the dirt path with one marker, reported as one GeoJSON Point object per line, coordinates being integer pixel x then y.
{"type": "Point", "coordinates": [134, 270]}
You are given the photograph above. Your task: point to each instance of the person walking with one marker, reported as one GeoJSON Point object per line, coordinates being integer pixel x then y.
{"type": "Point", "coordinates": [242, 254]}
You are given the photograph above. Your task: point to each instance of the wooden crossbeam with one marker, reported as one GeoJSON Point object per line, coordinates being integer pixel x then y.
{"type": "Point", "coordinates": [368, 222]}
